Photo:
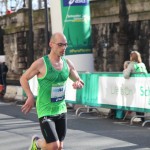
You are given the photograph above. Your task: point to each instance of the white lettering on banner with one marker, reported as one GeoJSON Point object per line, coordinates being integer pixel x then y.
{"type": "Point", "coordinates": [133, 92]}
{"type": "Point", "coordinates": [144, 92]}
{"type": "Point", "coordinates": [122, 90]}
{"type": "Point", "coordinates": [74, 16]}
{"type": "Point", "coordinates": [76, 1]}
{"type": "Point", "coordinates": [77, 18]}
{"type": "Point", "coordinates": [80, 1]}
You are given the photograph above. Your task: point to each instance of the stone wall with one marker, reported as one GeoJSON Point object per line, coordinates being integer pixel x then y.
{"type": "Point", "coordinates": [111, 47]}
{"type": "Point", "coordinates": [16, 40]}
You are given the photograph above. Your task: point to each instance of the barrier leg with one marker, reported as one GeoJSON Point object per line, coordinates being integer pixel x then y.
{"type": "Point", "coordinates": [87, 110]}
{"type": "Point", "coordinates": [78, 109]}
{"type": "Point", "coordinates": [143, 124]}
{"type": "Point", "coordinates": [136, 116]}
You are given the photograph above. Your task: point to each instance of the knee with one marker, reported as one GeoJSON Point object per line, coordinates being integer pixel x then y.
{"type": "Point", "coordinates": [53, 146]}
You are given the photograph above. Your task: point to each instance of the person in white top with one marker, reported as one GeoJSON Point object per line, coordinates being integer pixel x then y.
{"type": "Point", "coordinates": [135, 66]}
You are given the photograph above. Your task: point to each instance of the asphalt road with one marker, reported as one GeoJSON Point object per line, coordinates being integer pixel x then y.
{"type": "Point", "coordinates": [88, 132]}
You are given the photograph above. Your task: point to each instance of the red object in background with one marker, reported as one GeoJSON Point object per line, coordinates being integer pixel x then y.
{"type": "Point", "coordinates": [1, 87]}
{"type": "Point", "coordinates": [8, 12]}
{"type": "Point", "coordinates": [1, 90]}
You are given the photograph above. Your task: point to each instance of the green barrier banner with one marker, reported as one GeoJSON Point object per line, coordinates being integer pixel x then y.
{"type": "Point", "coordinates": [133, 92]}
{"type": "Point", "coordinates": [112, 90]}
{"type": "Point", "coordinates": [77, 26]}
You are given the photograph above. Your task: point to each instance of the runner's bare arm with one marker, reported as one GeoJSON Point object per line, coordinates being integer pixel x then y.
{"type": "Point", "coordinates": [74, 76]}
{"type": "Point", "coordinates": [30, 73]}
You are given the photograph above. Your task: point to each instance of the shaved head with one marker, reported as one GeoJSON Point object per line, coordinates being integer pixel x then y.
{"type": "Point", "coordinates": [56, 36]}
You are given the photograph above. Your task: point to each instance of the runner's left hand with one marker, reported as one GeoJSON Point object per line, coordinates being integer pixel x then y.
{"type": "Point", "coordinates": [78, 84]}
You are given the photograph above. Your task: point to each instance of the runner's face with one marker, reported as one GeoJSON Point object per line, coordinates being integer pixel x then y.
{"type": "Point", "coordinates": [59, 46]}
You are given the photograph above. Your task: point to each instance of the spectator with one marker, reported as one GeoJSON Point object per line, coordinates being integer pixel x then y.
{"type": "Point", "coordinates": [136, 66]}
{"type": "Point", "coordinates": [4, 70]}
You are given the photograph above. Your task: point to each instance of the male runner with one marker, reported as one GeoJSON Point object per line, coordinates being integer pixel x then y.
{"type": "Point", "coordinates": [52, 71]}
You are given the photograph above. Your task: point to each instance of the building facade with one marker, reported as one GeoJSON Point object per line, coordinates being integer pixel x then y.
{"type": "Point", "coordinates": [118, 27]}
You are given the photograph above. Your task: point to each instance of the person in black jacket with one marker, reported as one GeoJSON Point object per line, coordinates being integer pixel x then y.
{"type": "Point", "coordinates": [4, 70]}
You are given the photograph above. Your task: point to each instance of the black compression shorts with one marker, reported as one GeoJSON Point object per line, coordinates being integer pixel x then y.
{"type": "Point", "coordinates": [53, 127]}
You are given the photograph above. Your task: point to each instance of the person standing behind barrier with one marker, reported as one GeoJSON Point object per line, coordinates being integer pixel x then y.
{"type": "Point", "coordinates": [4, 70]}
{"type": "Point", "coordinates": [135, 66]}
{"type": "Point", "coordinates": [52, 71]}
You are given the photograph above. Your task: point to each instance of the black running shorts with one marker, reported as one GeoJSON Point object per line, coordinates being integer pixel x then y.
{"type": "Point", "coordinates": [54, 127]}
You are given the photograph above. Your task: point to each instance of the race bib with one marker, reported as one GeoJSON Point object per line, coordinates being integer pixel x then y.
{"type": "Point", "coordinates": [58, 93]}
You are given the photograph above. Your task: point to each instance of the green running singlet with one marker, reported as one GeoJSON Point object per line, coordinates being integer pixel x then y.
{"type": "Point", "coordinates": [51, 90]}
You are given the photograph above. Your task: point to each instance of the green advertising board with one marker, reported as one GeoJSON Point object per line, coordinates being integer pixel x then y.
{"type": "Point", "coordinates": [77, 26]}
